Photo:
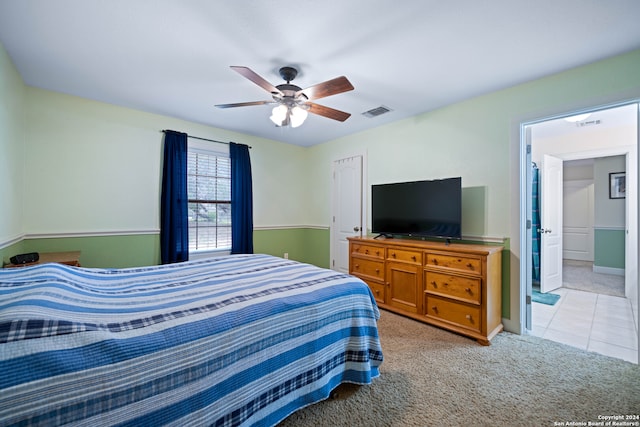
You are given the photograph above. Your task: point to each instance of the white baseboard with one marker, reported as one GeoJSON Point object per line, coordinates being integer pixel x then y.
{"type": "Point", "coordinates": [608, 270]}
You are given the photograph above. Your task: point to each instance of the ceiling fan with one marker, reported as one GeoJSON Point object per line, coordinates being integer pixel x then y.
{"type": "Point", "coordinates": [293, 103]}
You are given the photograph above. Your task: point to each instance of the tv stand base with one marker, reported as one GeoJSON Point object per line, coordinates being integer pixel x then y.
{"type": "Point", "coordinates": [455, 287]}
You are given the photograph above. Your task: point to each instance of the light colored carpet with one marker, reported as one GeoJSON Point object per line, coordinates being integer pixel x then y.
{"type": "Point", "coordinates": [433, 377]}
{"type": "Point", "coordinates": [579, 275]}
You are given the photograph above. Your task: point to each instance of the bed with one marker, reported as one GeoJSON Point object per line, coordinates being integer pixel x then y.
{"type": "Point", "coordinates": [224, 341]}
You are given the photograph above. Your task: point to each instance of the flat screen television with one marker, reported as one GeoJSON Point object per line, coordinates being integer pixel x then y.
{"type": "Point", "coordinates": [430, 208]}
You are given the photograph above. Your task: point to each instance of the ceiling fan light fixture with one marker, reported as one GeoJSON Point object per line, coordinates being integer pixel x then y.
{"type": "Point", "coordinates": [294, 103]}
{"type": "Point", "coordinates": [298, 116]}
{"type": "Point", "coordinates": [279, 114]}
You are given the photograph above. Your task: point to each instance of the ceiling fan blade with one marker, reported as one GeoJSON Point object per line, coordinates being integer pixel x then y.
{"type": "Point", "coordinates": [251, 75]}
{"type": "Point", "coordinates": [330, 113]}
{"type": "Point", "coordinates": [244, 104]}
{"type": "Point", "coordinates": [328, 88]}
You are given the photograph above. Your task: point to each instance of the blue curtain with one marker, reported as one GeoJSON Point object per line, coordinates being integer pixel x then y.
{"type": "Point", "coordinates": [174, 226]}
{"type": "Point", "coordinates": [241, 200]}
{"type": "Point", "coordinates": [535, 222]}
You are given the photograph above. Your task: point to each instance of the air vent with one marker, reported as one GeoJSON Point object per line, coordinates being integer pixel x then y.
{"type": "Point", "coordinates": [374, 112]}
{"type": "Point", "coordinates": [588, 123]}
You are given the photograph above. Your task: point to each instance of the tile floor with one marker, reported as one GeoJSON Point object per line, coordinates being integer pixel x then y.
{"type": "Point", "coordinates": [590, 321]}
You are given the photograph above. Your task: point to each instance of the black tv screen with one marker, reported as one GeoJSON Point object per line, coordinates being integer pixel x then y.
{"type": "Point", "coordinates": [419, 208]}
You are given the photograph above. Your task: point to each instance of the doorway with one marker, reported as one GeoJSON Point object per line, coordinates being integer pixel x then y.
{"type": "Point", "coordinates": [347, 207]}
{"type": "Point", "coordinates": [571, 144]}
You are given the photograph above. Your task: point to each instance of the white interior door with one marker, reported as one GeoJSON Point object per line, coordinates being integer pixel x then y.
{"type": "Point", "coordinates": [578, 202]}
{"type": "Point", "coordinates": [347, 209]}
{"type": "Point", "coordinates": [551, 223]}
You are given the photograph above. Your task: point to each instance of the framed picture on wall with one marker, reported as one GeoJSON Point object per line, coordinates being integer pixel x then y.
{"type": "Point", "coordinates": [617, 185]}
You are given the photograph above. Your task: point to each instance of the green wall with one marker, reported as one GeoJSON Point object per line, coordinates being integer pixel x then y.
{"type": "Point", "coordinates": [97, 251]}
{"type": "Point", "coordinates": [609, 246]}
{"type": "Point", "coordinates": [11, 250]}
{"type": "Point", "coordinates": [310, 245]}
{"type": "Point", "coordinates": [609, 214]}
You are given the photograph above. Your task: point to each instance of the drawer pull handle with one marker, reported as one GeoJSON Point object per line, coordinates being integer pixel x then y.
{"type": "Point", "coordinates": [377, 270]}
{"type": "Point", "coordinates": [377, 253]}
{"type": "Point", "coordinates": [445, 284]}
{"type": "Point", "coordinates": [393, 254]}
{"type": "Point", "coordinates": [434, 284]}
{"type": "Point", "coordinates": [434, 308]}
{"type": "Point", "coordinates": [414, 258]}
{"type": "Point", "coordinates": [468, 290]}
{"type": "Point", "coordinates": [366, 251]}
{"type": "Point", "coordinates": [357, 266]}
{"type": "Point", "coordinates": [470, 266]}
{"type": "Point", "coordinates": [435, 261]}
{"type": "Point", "coordinates": [468, 316]}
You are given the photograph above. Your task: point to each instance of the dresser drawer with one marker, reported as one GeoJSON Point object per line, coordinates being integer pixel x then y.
{"type": "Point", "coordinates": [414, 257]}
{"type": "Point", "coordinates": [367, 250]}
{"type": "Point", "coordinates": [466, 289]}
{"type": "Point", "coordinates": [467, 264]}
{"type": "Point", "coordinates": [378, 291]}
{"type": "Point", "coordinates": [368, 269]}
{"type": "Point", "coordinates": [463, 315]}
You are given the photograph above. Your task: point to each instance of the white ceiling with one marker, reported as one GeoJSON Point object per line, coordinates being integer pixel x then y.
{"type": "Point", "coordinates": [172, 57]}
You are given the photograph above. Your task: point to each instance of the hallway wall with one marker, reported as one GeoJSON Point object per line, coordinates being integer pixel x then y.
{"type": "Point", "coordinates": [609, 219]}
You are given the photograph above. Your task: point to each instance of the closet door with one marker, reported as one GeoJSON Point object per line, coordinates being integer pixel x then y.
{"type": "Point", "coordinates": [347, 211]}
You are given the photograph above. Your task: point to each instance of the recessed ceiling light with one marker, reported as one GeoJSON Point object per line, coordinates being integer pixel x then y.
{"type": "Point", "coordinates": [578, 118]}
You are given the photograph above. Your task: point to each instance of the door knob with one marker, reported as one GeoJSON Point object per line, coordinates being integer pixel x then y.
{"type": "Point", "coordinates": [356, 228]}
{"type": "Point", "coordinates": [542, 230]}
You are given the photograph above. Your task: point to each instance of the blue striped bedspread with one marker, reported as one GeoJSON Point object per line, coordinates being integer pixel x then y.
{"type": "Point", "coordinates": [224, 341]}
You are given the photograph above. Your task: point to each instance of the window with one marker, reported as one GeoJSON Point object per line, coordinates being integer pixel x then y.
{"type": "Point", "coordinates": [209, 188]}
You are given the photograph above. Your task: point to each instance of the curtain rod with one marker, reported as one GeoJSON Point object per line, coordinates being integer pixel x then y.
{"type": "Point", "coordinates": [204, 139]}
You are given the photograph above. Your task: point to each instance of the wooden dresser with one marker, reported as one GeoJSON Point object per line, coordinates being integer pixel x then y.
{"type": "Point", "coordinates": [457, 286]}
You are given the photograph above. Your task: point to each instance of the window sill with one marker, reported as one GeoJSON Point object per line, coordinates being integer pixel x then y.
{"type": "Point", "coordinates": [208, 253]}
